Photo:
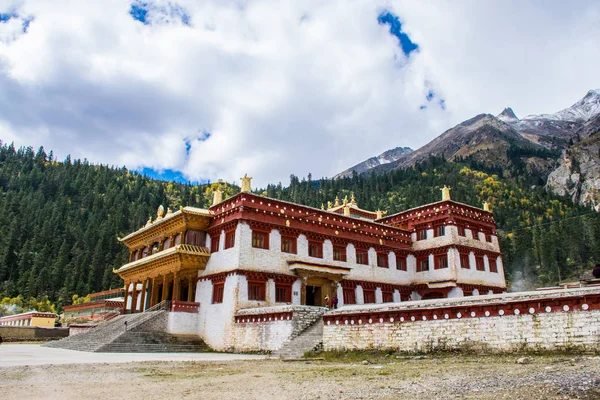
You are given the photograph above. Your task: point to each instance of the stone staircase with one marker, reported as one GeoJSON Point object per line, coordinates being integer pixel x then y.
{"type": "Point", "coordinates": [309, 340]}
{"type": "Point", "coordinates": [146, 332]}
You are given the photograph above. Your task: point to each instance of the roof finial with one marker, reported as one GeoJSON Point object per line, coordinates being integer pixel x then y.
{"type": "Point", "coordinates": [445, 193]}
{"type": "Point", "coordinates": [345, 200]}
{"type": "Point", "coordinates": [329, 205]}
{"type": "Point", "coordinates": [486, 206]}
{"type": "Point", "coordinates": [217, 196]}
{"type": "Point", "coordinates": [352, 199]}
{"type": "Point", "coordinates": [149, 222]}
{"type": "Point", "coordinates": [246, 183]}
{"type": "Point", "coordinates": [322, 206]}
{"type": "Point", "coordinates": [337, 201]}
{"type": "Point", "coordinates": [169, 211]}
{"type": "Point", "coordinates": [160, 212]}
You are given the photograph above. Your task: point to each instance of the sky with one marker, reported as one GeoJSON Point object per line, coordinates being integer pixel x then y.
{"type": "Point", "coordinates": [203, 90]}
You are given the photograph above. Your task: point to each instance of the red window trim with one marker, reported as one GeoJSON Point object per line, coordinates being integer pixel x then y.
{"type": "Point", "coordinates": [319, 247]}
{"type": "Point", "coordinates": [294, 240]}
{"type": "Point", "coordinates": [218, 292]}
{"type": "Point", "coordinates": [384, 258]}
{"type": "Point", "coordinates": [342, 252]}
{"type": "Point", "coordinates": [265, 241]}
{"type": "Point", "coordinates": [366, 254]}
{"type": "Point", "coordinates": [229, 237]}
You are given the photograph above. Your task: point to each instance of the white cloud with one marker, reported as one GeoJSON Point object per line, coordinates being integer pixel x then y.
{"type": "Point", "coordinates": [283, 87]}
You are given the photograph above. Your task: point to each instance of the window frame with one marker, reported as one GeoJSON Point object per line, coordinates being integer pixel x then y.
{"type": "Point", "coordinates": [369, 296]}
{"type": "Point", "coordinates": [441, 261]}
{"type": "Point", "coordinates": [349, 295]}
{"type": "Point", "coordinates": [387, 297]}
{"type": "Point", "coordinates": [287, 288]}
{"type": "Point", "coordinates": [401, 263]}
{"type": "Point", "coordinates": [439, 231]}
{"type": "Point", "coordinates": [422, 234]}
{"type": "Point", "coordinates": [362, 252]}
{"type": "Point", "coordinates": [420, 261]}
{"type": "Point", "coordinates": [214, 243]}
{"type": "Point", "coordinates": [218, 292]}
{"type": "Point", "coordinates": [256, 291]}
{"type": "Point", "coordinates": [339, 253]}
{"type": "Point", "coordinates": [463, 257]}
{"type": "Point", "coordinates": [494, 265]}
{"type": "Point", "coordinates": [477, 259]}
{"type": "Point", "coordinates": [293, 244]}
{"type": "Point", "coordinates": [256, 233]}
{"type": "Point", "coordinates": [383, 260]}
{"type": "Point", "coordinates": [313, 244]}
{"type": "Point", "coordinates": [461, 230]}
{"type": "Point", "coordinates": [229, 239]}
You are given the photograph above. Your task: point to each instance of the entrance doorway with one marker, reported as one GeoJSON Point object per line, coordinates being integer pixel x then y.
{"type": "Point", "coordinates": [314, 296]}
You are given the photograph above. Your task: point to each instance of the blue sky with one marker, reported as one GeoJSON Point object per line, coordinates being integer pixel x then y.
{"type": "Point", "coordinates": [202, 90]}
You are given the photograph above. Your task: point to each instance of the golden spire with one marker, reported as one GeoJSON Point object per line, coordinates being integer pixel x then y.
{"type": "Point", "coordinates": [352, 200]}
{"type": "Point", "coordinates": [329, 205]}
{"type": "Point", "coordinates": [322, 206]}
{"type": "Point", "coordinates": [246, 183]}
{"type": "Point", "coordinates": [149, 222]}
{"type": "Point", "coordinates": [169, 211]}
{"type": "Point", "coordinates": [345, 200]}
{"type": "Point", "coordinates": [445, 193]}
{"type": "Point", "coordinates": [346, 210]}
{"type": "Point", "coordinates": [486, 206]}
{"type": "Point", "coordinates": [379, 214]}
{"type": "Point", "coordinates": [337, 201]}
{"type": "Point", "coordinates": [217, 196]}
{"type": "Point", "coordinates": [160, 212]}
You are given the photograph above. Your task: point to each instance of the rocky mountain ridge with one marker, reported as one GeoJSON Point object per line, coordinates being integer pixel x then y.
{"type": "Point", "coordinates": [538, 139]}
{"type": "Point", "coordinates": [386, 157]}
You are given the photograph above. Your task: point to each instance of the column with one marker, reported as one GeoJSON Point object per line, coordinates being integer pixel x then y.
{"type": "Point", "coordinates": [134, 294]}
{"type": "Point", "coordinates": [190, 289]}
{"type": "Point", "coordinates": [143, 295]}
{"type": "Point", "coordinates": [154, 295]}
{"type": "Point", "coordinates": [125, 296]}
{"type": "Point", "coordinates": [176, 286]}
{"type": "Point", "coordinates": [303, 290]}
{"type": "Point", "coordinates": [165, 289]}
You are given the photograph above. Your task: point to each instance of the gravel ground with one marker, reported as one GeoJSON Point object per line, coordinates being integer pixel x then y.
{"type": "Point", "coordinates": [444, 377]}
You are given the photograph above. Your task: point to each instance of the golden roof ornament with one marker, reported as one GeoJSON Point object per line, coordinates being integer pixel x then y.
{"type": "Point", "coordinates": [169, 211]}
{"type": "Point", "coordinates": [337, 201]}
{"type": "Point", "coordinates": [445, 193]}
{"type": "Point", "coordinates": [329, 205]}
{"type": "Point", "coordinates": [149, 222]}
{"type": "Point", "coordinates": [160, 212]}
{"type": "Point", "coordinates": [322, 206]}
{"type": "Point", "coordinates": [379, 214]}
{"type": "Point", "coordinates": [345, 200]}
{"type": "Point", "coordinates": [246, 183]}
{"type": "Point", "coordinates": [346, 210]}
{"type": "Point", "coordinates": [486, 206]}
{"type": "Point", "coordinates": [352, 199]}
{"type": "Point", "coordinates": [217, 196]}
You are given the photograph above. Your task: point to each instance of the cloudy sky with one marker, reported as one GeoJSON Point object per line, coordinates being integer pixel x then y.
{"type": "Point", "coordinates": [214, 89]}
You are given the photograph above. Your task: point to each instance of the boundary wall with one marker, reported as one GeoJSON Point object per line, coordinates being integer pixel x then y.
{"type": "Point", "coordinates": [553, 320]}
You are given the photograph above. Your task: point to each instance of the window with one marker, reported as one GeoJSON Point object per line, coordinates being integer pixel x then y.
{"type": "Point", "coordinates": [315, 249]}
{"type": "Point", "coordinates": [214, 244]}
{"type": "Point", "coordinates": [339, 253]}
{"type": "Point", "coordinates": [401, 263]}
{"type": "Point", "coordinates": [229, 239]}
{"type": "Point", "coordinates": [362, 257]}
{"type": "Point", "coordinates": [283, 293]}
{"type": "Point", "coordinates": [167, 243]}
{"type": "Point", "coordinates": [488, 237]}
{"type": "Point", "coordinates": [387, 297]}
{"type": "Point", "coordinates": [177, 240]}
{"type": "Point", "coordinates": [494, 265]}
{"type": "Point", "coordinates": [422, 234]}
{"type": "Point", "coordinates": [155, 247]}
{"type": "Point", "coordinates": [479, 264]}
{"type": "Point", "coordinates": [440, 231]}
{"type": "Point", "coordinates": [349, 296]}
{"type": "Point", "coordinates": [423, 264]}
{"type": "Point", "coordinates": [288, 244]}
{"type": "Point", "coordinates": [464, 261]}
{"type": "Point", "coordinates": [369, 296]}
{"type": "Point", "coordinates": [382, 260]}
{"type": "Point", "coordinates": [461, 230]}
{"type": "Point", "coordinates": [145, 251]}
{"type": "Point", "coordinates": [194, 237]}
{"type": "Point", "coordinates": [441, 262]}
{"type": "Point", "coordinates": [218, 292]}
{"type": "Point", "coordinates": [256, 291]}
{"type": "Point", "coordinates": [260, 240]}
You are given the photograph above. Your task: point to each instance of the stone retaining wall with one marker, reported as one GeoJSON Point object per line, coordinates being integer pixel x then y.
{"type": "Point", "coordinates": [31, 333]}
{"type": "Point", "coordinates": [268, 328]}
{"type": "Point", "coordinates": [558, 320]}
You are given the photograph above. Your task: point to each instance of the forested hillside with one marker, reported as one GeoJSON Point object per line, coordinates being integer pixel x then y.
{"type": "Point", "coordinates": [60, 220]}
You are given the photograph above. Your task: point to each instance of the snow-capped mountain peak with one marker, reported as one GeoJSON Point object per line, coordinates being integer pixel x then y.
{"type": "Point", "coordinates": [507, 115]}
{"type": "Point", "coordinates": [583, 110]}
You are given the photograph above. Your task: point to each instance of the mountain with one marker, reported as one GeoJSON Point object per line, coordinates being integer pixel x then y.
{"type": "Point", "coordinates": [531, 145]}
{"type": "Point", "coordinates": [384, 158]}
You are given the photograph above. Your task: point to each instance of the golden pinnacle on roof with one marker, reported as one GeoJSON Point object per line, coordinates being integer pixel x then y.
{"type": "Point", "coordinates": [445, 193]}
{"type": "Point", "coordinates": [246, 183]}
{"type": "Point", "coordinates": [217, 196]}
{"type": "Point", "coordinates": [352, 199]}
{"type": "Point", "coordinates": [160, 212]}
{"type": "Point", "coordinates": [329, 205]}
{"type": "Point", "coordinates": [149, 222]}
{"type": "Point", "coordinates": [322, 206]}
{"type": "Point", "coordinates": [169, 211]}
{"type": "Point", "coordinates": [337, 201]}
{"type": "Point", "coordinates": [486, 206]}
{"type": "Point", "coordinates": [345, 200]}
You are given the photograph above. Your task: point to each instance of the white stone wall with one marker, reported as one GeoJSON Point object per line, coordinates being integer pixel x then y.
{"type": "Point", "coordinates": [183, 323]}
{"type": "Point", "coordinates": [552, 331]}
{"type": "Point", "coordinates": [265, 336]}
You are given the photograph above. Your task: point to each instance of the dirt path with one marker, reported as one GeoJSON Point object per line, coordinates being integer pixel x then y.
{"type": "Point", "coordinates": [448, 377]}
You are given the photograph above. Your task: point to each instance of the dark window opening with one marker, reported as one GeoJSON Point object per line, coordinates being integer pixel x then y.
{"type": "Point", "coordinates": [256, 291]}
{"type": "Point", "coordinates": [387, 297]}
{"type": "Point", "coordinates": [440, 231]}
{"type": "Point", "coordinates": [369, 296]}
{"type": "Point", "coordinates": [260, 240]}
{"type": "Point", "coordinates": [339, 253]}
{"type": "Point", "coordinates": [315, 249]}
{"type": "Point", "coordinates": [401, 263]}
{"type": "Point", "coordinates": [479, 264]}
{"type": "Point", "coordinates": [441, 262]}
{"type": "Point", "coordinates": [288, 244]}
{"type": "Point", "coordinates": [464, 261]}
{"type": "Point", "coordinates": [423, 264]}
{"type": "Point", "coordinates": [422, 234]}
{"type": "Point", "coordinates": [229, 239]}
{"type": "Point", "coordinates": [218, 289]}
{"type": "Point", "coordinates": [349, 296]}
{"type": "Point", "coordinates": [382, 260]}
{"type": "Point", "coordinates": [362, 257]}
{"type": "Point", "coordinates": [214, 244]}
{"type": "Point", "coordinates": [283, 293]}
